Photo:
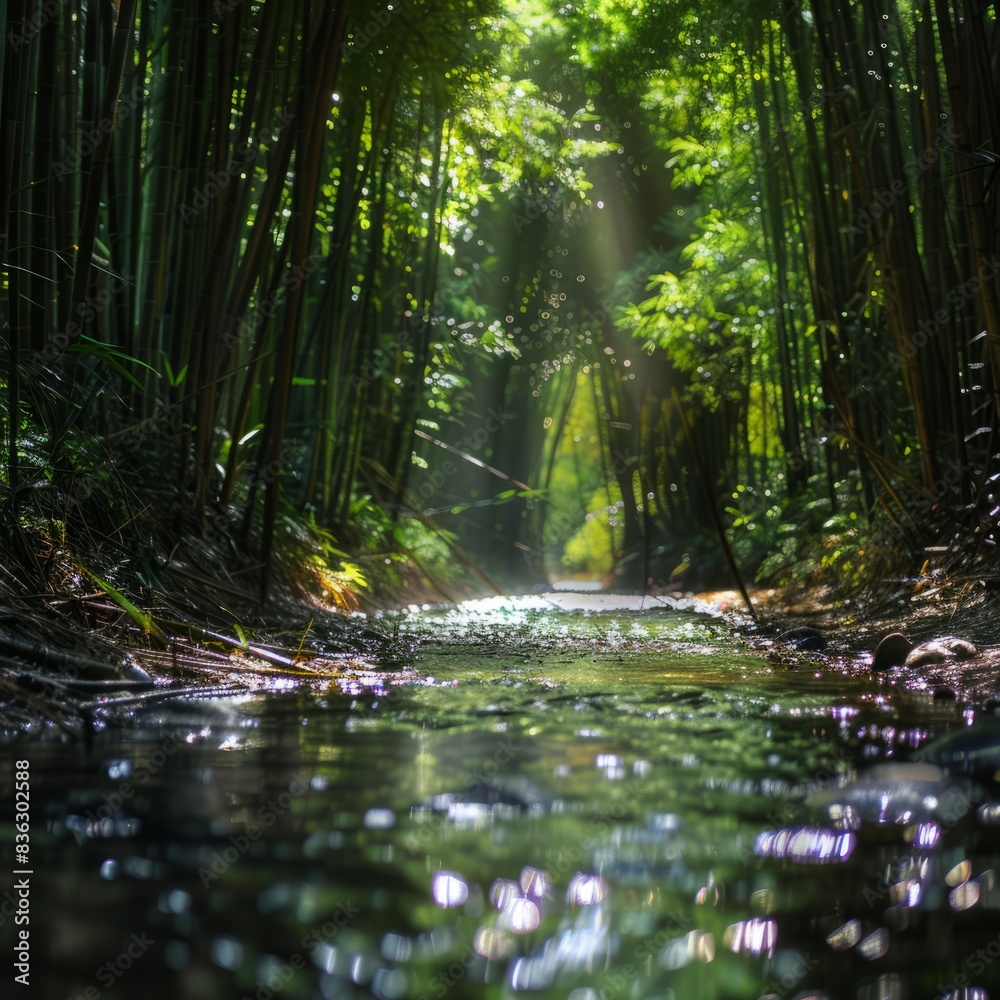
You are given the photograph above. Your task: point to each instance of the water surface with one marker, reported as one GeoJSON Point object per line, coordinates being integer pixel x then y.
{"type": "Point", "coordinates": [616, 802]}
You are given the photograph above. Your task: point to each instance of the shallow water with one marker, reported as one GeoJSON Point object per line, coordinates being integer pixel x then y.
{"type": "Point", "coordinates": [583, 804]}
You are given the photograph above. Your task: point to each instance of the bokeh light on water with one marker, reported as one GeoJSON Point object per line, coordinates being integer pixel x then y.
{"type": "Point", "coordinates": [592, 804]}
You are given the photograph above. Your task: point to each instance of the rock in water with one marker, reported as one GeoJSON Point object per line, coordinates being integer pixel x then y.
{"type": "Point", "coordinates": [939, 650]}
{"type": "Point", "coordinates": [891, 651]}
{"type": "Point", "coordinates": [895, 650]}
{"type": "Point", "coordinates": [893, 793]}
{"type": "Point", "coordinates": [806, 639]}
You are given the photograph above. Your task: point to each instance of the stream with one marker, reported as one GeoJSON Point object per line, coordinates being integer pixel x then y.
{"type": "Point", "coordinates": [581, 797]}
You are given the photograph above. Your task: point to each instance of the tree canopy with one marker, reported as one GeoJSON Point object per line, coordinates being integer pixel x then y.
{"type": "Point", "coordinates": [532, 287]}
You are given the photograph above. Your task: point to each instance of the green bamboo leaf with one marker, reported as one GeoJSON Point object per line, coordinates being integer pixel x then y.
{"type": "Point", "coordinates": [173, 378]}
{"type": "Point", "coordinates": [141, 618]}
{"type": "Point", "coordinates": [243, 636]}
{"type": "Point", "coordinates": [122, 370]}
{"type": "Point", "coordinates": [112, 357]}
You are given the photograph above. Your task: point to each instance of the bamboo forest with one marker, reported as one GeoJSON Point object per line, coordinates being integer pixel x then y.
{"type": "Point", "coordinates": [499, 497]}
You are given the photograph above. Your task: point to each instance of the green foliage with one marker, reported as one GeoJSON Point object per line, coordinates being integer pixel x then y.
{"type": "Point", "coordinates": [592, 547]}
{"type": "Point", "coordinates": [296, 248]}
{"type": "Point", "coordinates": [781, 539]}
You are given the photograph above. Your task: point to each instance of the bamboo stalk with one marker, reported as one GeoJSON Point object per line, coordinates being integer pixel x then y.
{"type": "Point", "coordinates": [713, 510]}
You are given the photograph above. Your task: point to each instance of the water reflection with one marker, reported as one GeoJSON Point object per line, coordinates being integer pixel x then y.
{"type": "Point", "coordinates": [586, 890]}
{"type": "Point", "coordinates": [694, 946]}
{"type": "Point", "coordinates": [805, 844]}
{"type": "Point", "coordinates": [448, 890]}
{"type": "Point", "coordinates": [756, 936]}
{"type": "Point", "coordinates": [898, 793]}
{"type": "Point", "coordinates": [845, 936]}
{"type": "Point", "coordinates": [611, 813]}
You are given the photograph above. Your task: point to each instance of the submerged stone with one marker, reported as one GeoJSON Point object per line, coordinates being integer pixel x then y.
{"type": "Point", "coordinates": [903, 792]}
{"type": "Point", "coordinates": [940, 650]}
{"type": "Point", "coordinates": [804, 638]}
{"type": "Point", "coordinates": [895, 650]}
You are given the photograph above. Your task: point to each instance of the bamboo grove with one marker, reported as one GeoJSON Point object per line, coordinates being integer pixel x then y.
{"type": "Point", "coordinates": [545, 283]}
{"type": "Point", "coordinates": [863, 138]}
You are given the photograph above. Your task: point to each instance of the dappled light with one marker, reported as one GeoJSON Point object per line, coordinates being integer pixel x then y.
{"type": "Point", "coordinates": [499, 498]}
